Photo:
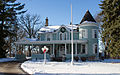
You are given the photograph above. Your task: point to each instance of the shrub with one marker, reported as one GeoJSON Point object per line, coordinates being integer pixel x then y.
{"type": "Point", "coordinates": [76, 58]}
{"type": "Point", "coordinates": [83, 58]}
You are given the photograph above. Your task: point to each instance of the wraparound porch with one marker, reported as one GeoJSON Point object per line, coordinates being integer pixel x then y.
{"type": "Point", "coordinates": [56, 48]}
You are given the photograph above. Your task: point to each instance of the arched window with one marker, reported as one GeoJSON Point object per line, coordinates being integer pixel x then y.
{"type": "Point", "coordinates": [60, 36]}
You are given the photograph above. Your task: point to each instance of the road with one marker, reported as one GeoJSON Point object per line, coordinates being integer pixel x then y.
{"type": "Point", "coordinates": [11, 68]}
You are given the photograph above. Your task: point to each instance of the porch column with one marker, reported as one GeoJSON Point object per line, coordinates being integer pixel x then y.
{"type": "Point", "coordinates": [53, 49]}
{"type": "Point", "coordinates": [75, 48]}
{"type": "Point", "coordinates": [65, 49]}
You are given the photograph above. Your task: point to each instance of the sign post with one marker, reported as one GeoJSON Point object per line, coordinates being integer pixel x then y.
{"type": "Point", "coordinates": [44, 49]}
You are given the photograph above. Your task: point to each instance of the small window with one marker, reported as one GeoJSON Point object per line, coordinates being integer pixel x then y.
{"type": "Point", "coordinates": [83, 48]}
{"type": "Point", "coordinates": [94, 33]}
{"type": "Point", "coordinates": [95, 48]}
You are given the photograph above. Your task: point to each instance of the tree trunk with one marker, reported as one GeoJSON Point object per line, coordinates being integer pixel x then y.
{"type": "Point", "coordinates": [29, 51]}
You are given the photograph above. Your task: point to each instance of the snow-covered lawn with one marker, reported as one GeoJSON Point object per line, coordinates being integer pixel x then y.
{"type": "Point", "coordinates": [65, 68]}
{"type": "Point", "coordinates": [6, 59]}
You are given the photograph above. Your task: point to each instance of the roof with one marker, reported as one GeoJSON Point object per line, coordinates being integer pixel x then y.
{"type": "Point", "coordinates": [48, 29]}
{"type": "Point", "coordinates": [55, 28]}
{"type": "Point", "coordinates": [87, 17]}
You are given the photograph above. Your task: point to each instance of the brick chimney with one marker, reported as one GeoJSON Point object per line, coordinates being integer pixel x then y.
{"type": "Point", "coordinates": [46, 23]}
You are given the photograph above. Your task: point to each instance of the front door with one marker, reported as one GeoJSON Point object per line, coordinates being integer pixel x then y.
{"type": "Point", "coordinates": [61, 50]}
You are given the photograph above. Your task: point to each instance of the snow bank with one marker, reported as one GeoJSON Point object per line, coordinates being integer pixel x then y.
{"type": "Point", "coordinates": [65, 68]}
{"type": "Point", "coordinates": [6, 59]}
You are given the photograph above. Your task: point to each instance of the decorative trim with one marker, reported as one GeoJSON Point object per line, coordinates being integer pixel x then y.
{"type": "Point", "coordinates": [60, 29]}
{"type": "Point", "coordinates": [89, 24]}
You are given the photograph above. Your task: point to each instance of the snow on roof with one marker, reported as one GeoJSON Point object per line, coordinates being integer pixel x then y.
{"type": "Point", "coordinates": [70, 26]}
{"type": "Point", "coordinates": [87, 22]}
{"type": "Point", "coordinates": [48, 29]}
{"type": "Point", "coordinates": [54, 28]}
{"type": "Point", "coordinates": [31, 39]}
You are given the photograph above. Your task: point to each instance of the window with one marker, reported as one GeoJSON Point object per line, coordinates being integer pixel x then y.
{"type": "Point", "coordinates": [60, 36]}
{"type": "Point", "coordinates": [63, 36]}
{"type": "Point", "coordinates": [48, 37]}
{"type": "Point", "coordinates": [83, 33]}
{"type": "Point", "coordinates": [94, 32]}
{"type": "Point", "coordinates": [95, 48]}
{"type": "Point", "coordinates": [83, 48]}
{"type": "Point", "coordinates": [39, 36]}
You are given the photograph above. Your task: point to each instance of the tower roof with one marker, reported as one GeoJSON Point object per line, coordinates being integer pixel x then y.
{"type": "Point", "coordinates": [88, 17]}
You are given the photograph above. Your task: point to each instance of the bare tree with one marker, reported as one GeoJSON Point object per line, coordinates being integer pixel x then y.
{"type": "Point", "coordinates": [31, 24]}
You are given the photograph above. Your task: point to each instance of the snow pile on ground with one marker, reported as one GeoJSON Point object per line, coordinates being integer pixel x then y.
{"type": "Point", "coordinates": [6, 59]}
{"type": "Point", "coordinates": [65, 68]}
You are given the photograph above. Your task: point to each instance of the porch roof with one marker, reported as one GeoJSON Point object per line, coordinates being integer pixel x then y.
{"type": "Point", "coordinates": [49, 42]}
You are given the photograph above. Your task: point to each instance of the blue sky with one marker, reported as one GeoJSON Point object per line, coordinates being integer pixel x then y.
{"type": "Point", "coordinates": [59, 11]}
